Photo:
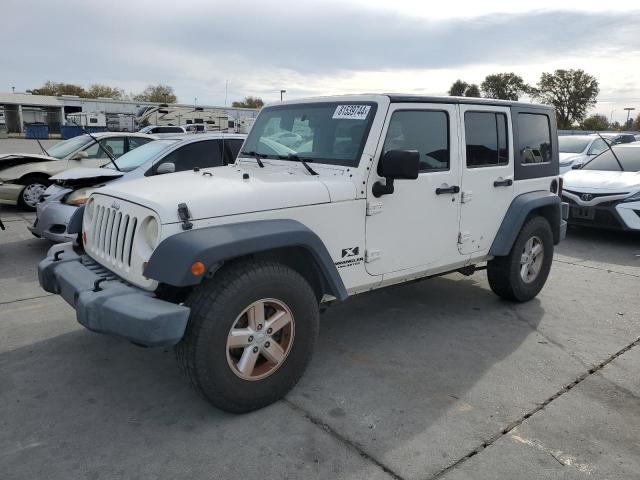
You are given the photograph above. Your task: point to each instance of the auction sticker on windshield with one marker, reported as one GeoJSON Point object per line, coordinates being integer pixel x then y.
{"type": "Point", "coordinates": [352, 112]}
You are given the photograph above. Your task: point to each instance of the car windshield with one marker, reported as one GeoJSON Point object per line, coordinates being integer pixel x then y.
{"type": "Point", "coordinates": [135, 158]}
{"type": "Point", "coordinates": [572, 144]}
{"type": "Point", "coordinates": [629, 159]}
{"type": "Point", "coordinates": [64, 148]}
{"type": "Point", "coordinates": [330, 132]}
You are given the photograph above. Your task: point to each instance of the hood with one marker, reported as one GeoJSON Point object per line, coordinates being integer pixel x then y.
{"type": "Point", "coordinates": [9, 160]}
{"type": "Point", "coordinates": [222, 191]}
{"type": "Point", "coordinates": [85, 177]}
{"type": "Point", "coordinates": [601, 181]}
{"type": "Point", "coordinates": [567, 158]}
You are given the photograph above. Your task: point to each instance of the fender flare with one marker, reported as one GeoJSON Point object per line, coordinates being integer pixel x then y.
{"type": "Point", "coordinates": [171, 261]}
{"type": "Point", "coordinates": [75, 222]}
{"type": "Point", "coordinates": [520, 208]}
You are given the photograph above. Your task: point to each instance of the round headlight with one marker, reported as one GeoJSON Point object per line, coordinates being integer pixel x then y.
{"type": "Point", "coordinates": [151, 231]}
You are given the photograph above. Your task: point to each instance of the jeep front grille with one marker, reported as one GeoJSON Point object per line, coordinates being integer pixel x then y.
{"type": "Point", "coordinates": [112, 235]}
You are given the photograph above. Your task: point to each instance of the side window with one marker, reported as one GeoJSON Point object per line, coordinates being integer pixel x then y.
{"type": "Point", "coordinates": [534, 134]}
{"type": "Point", "coordinates": [115, 146]}
{"type": "Point", "coordinates": [486, 139]}
{"type": "Point", "coordinates": [135, 142]}
{"type": "Point", "coordinates": [598, 146]}
{"type": "Point", "coordinates": [198, 154]}
{"type": "Point", "coordinates": [426, 131]}
{"type": "Point", "coordinates": [232, 148]}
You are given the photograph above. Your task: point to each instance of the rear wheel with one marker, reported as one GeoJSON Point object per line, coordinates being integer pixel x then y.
{"type": "Point", "coordinates": [520, 275]}
{"type": "Point", "coordinates": [31, 193]}
{"type": "Point", "coordinates": [250, 335]}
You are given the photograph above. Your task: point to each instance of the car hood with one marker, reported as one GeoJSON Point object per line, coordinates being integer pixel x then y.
{"type": "Point", "coordinates": [85, 177]}
{"type": "Point", "coordinates": [9, 160]}
{"type": "Point", "coordinates": [222, 191]}
{"type": "Point", "coordinates": [596, 180]}
{"type": "Point", "coordinates": [566, 158]}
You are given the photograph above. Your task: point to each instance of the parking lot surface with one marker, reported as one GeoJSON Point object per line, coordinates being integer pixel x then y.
{"type": "Point", "coordinates": [436, 379]}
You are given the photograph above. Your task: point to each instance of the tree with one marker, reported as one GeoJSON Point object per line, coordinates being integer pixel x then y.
{"type": "Point", "coordinates": [636, 125]}
{"type": "Point", "coordinates": [628, 125]}
{"type": "Point", "coordinates": [249, 102]}
{"type": "Point", "coordinates": [504, 86]}
{"type": "Point", "coordinates": [461, 88]}
{"type": "Point", "coordinates": [571, 92]}
{"type": "Point", "coordinates": [96, 90]}
{"type": "Point", "coordinates": [58, 88]}
{"type": "Point", "coordinates": [156, 93]}
{"type": "Point", "coordinates": [472, 91]}
{"type": "Point", "coordinates": [595, 122]}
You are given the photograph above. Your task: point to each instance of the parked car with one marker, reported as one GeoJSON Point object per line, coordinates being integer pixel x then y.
{"type": "Point", "coordinates": [72, 188]}
{"type": "Point", "coordinates": [231, 263]}
{"type": "Point", "coordinates": [605, 192]}
{"type": "Point", "coordinates": [163, 130]}
{"type": "Point", "coordinates": [575, 150]}
{"type": "Point", "coordinates": [617, 138]}
{"type": "Point", "coordinates": [25, 176]}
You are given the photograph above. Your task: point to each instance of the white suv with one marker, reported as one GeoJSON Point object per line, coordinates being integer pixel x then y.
{"type": "Point", "coordinates": [230, 264]}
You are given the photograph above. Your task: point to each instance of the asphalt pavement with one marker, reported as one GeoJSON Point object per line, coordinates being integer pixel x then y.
{"type": "Point", "coordinates": [437, 379]}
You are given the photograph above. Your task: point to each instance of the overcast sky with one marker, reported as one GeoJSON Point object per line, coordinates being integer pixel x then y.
{"type": "Point", "coordinates": [317, 48]}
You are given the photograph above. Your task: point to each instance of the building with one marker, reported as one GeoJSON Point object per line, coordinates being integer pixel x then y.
{"type": "Point", "coordinates": [22, 109]}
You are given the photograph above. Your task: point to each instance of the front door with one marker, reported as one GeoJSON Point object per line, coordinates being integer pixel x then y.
{"type": "Point", "coordinates": [487, 177]}
{"type": "Point", "coordinates": [416, 227]}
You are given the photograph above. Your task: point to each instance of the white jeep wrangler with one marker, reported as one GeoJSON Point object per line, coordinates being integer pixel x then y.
{"type": "Point", "coordinates": [328, 198]}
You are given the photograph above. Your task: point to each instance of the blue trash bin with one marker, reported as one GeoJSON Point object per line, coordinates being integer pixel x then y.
{"type": "Point", "coordinates": [37, 131]}
{"type": "Point", "coordinates": [70, 131]}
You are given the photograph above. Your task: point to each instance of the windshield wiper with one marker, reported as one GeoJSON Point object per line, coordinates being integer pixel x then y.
{"type": "Point", "coordinates": [100, 146]}
{"type": "Point", "coordinates": [255, 155]}
{"type": "Point", "coordinates": [42, 148]}
{"type": "Point", "coordinates": [614, 153]}
{"type": "Point", "coordinates": [296, 158]}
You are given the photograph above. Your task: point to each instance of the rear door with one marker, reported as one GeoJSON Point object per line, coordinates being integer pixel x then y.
{"type": "Point", "coordinates": [487, 175]}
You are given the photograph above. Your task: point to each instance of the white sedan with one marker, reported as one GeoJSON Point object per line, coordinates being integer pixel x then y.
{"type": "Point", "coordinates": [575, 150]}
{"type": "Point", "coordinates": [605, 192]}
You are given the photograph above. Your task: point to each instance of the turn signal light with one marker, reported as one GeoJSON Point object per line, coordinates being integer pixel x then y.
{"type": "Point", "coordinates": [198, 269]}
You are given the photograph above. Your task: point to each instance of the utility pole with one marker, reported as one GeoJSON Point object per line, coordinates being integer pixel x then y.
{"type": "Point", "coordinates": [628, 109]}
{"type": "Point", "coordinates": [282, 92]}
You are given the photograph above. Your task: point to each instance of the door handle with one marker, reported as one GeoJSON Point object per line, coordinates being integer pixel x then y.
{"type": "Point", "coordinates": [453, 189]}
{"type": "Point", "coordinates": [503, 183]}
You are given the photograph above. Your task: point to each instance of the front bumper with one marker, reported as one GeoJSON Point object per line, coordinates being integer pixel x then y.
{"type": "Point", "coordinates": [51, 221]}
{"type": "Point", "coordinates": [113, 307]}
{"type": "Point", "coordinates": [613, 215]}
{"type": "Point", "coordinates": [9, 193]}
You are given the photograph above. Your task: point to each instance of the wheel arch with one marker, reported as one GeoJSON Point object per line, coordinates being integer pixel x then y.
{"type": "Point", "coordinates": [286, 241]}
{"type": "Point", "coordinates": [30, 175]}
{"type": "Point", "coordinates": [539, 203]}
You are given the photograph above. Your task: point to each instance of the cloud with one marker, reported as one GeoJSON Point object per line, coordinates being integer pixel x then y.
{"type": "Point", "coordinates": [263, 46]}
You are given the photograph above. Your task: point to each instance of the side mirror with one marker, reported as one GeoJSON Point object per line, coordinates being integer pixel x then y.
{"type": "Point", "coordinates": [81, 155]}
{"type": "Point", "coordinates": [396, 165]}
{"type": "Point", "coordinates": [167, 167]}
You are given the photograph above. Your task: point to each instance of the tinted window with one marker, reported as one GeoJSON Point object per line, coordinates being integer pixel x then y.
{"type": "Point", "coordinates": [168, 130]}
{"type": "Point", "coordinates": [534, 135]}
{"type": "Point", "coordinates": [629, 159]}
{"type": "Point", "coordinates": [233, 149]}
{"type": "Point", "coordinates": [198, 154]}
{"type": "Point", "coordinates": [486, 139]}
{"type": "Point", "coordinates": [424, 131]}
{"type": "Point", "coordinates": [135, 142]}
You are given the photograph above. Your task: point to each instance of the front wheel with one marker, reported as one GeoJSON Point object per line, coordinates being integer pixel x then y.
{"type": "Point", "coordinates": [31, 193]}
{"type": "Point", "coordinates": [250, 335]}
{"type": "Point", "coordinates": [520, 275]}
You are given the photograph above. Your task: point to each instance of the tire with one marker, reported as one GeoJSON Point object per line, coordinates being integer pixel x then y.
{"type": "Point", "coordinates": [506, 274]}
{"type": "Point", "coordinates": [214, 368]}
{"type": "Point", "coordinates": [30, 194]}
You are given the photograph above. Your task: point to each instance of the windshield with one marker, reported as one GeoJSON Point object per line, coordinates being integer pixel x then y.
{"type": "Point", "coordinates": [135, 158]}
{"type": "Point", "coordinates": [629, 158]}
{"type": "Point", "coordinates": [63, 149]}
{"type": "Point", "coordinates": [331, 132]}
{"type": "Point", "coordinates": [572, 144]}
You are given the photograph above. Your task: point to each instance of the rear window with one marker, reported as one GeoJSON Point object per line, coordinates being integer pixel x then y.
{"type": "Point", "coordinates": [534, 133]}
{"type": "Point", "coordinates": [168, 130]}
